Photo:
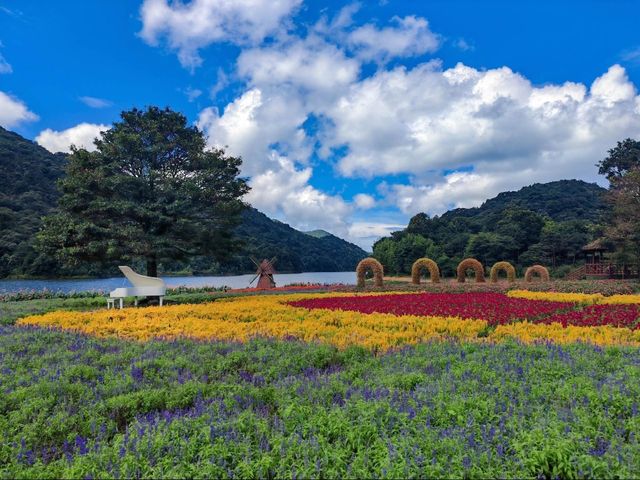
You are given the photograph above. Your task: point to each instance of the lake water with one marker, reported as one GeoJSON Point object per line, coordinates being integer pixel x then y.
{"type": "Point", "coordinates": [237, 281]}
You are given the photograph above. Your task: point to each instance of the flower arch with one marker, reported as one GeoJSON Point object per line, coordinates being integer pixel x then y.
{"type": "Point", "coordinates": [504, 267]}
{"type": "Point", "coordinates": [539, 270]}
{"type": "Point", "coordinates": [418, 265]}
{"type": "Point", "coordinates": [375, 266]}
{"type": "Point", "coordinates": [470, 263]}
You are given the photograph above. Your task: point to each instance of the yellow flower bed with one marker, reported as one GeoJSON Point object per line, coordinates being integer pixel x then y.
{"type": "Point", "coordinates": [581, 298]}
{"type": "Point", "coordinates": [239, 319]}
{"type": "Point", "coordinates": [620, 299]}
{"type": "Point", "coordinates": [537, 332]}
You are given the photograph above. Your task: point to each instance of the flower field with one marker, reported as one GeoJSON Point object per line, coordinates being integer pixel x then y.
{"type": "Point", "coordinates": [379, 322]}
{"type": "Point", "coordinates": [84, 407]}
{"type": "Point", "coordinates": [402, 385]}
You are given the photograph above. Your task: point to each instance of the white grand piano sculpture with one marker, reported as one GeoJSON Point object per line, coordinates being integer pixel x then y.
{"type": "Point", "coordinates": [143, 286]}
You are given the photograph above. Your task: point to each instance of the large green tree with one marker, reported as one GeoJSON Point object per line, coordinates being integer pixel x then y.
{"type": "Point", "coordinates": [624, 227]}
{"type": "Point", "coordinates": [624, 157]}
{"type": "Point", "coordinates": [151, 190]}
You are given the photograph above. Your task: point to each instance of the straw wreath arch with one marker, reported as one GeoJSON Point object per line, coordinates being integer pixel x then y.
{"type": "Point", "coordinates": [504, 267]}
{"type": "Point", "coordinates": [539, 270]}
{"type": "Point", "coordinates": [418, 265]}
{"type": "Point", "coordinates": [375, 266]}
{"type": "Point", "coordinates": [470, 263]}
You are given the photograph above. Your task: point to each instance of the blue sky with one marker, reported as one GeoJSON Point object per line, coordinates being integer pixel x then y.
{"type": "Point", "coordinates": [350, 116]}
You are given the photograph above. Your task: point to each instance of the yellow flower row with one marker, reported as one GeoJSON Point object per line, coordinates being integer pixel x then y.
{"type": "Point", "coordinates": [239, 319]}
{"type": "Point", "coordinates": [555, 332]}
{"type": "Point", "coordinates": [620, 299]}
{"type": "Point", "coordinates": [581, 298]}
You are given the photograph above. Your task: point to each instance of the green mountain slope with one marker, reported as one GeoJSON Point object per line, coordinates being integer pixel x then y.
{"type": "Point", "coordinates": [542, 223]}
{"type": "Point", "coordinates": [295, 251]}
{"type": "Point", "coordinates": [28, 175]}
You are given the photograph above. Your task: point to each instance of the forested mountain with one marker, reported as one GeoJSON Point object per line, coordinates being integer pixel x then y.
{"type": "Point", "coordinates": [543, 223]}
{"type": "Point", "coordinates": [28, 175]}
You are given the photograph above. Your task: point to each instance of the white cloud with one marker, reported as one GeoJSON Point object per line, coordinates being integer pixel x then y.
{"type": "Point", "coordinates": [425, 120]}
{"type": "Point", "coordinates": [410, 36]}
{"type": "Point", "coordinates": [311, 65]}
{"type": "Point", "coordinates": [191, 26]}
{"type": "Point", "coordinates": [4, 66]}
{"type": "Point", "coordinates": [255, 124]}
{"type": "Point", "coordinates": [464, 45]}
{"type": "Point", "coordinates": [364, 201]}
{"type": "Point", "coordinates": [632, 55]}
{"type": "Point", "coordinates": [365, 234]}
{"type": "Point", "coordinates": [13, 111]}
{"type": "Point", "coordinates": [192, 93]}
{"type": "Point", "coordinates": [82, 136]}
{"type": "Point", "coordinates": [95, 102]}
{"type": "Point", "coordinates": [284, 191]}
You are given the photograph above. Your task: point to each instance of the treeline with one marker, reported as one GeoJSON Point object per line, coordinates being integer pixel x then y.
{"type": "Point", "coordinates": [543, 223]}
{"type": "Point", "coordinates": [28, 178]}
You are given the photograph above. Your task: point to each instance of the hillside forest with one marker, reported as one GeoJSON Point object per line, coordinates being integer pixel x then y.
{"type": "Point", "coordinates": [543, 223]}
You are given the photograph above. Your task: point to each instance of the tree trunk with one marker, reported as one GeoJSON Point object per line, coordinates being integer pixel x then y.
{"type": "Point", "coordinates": [152, 266]}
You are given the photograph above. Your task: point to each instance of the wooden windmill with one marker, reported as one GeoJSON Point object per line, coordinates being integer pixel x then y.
{"type": "Point", "coordinates": [265, 273]}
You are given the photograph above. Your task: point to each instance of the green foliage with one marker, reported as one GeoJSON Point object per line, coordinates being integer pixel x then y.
{"type": "Point", "coordinates": [30, 194]}
{"type": "Point", "coordinates": [543, 223]}
{"type": "Point", "coordinates": [150, 191]}
{"type": "Point", "coordinates": [621, 159]}
{"type": "Point", "coordinates": [75, 407]}
{"type": "Point", "coordinates": [624, 227]}
{"type": "Point", "coordinates": [489, 248]}
{"type": "Point", "coordinates": [28, 174]}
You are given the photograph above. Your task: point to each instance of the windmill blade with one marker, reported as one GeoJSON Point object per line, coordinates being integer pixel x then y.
{"type": "Point", "coordinates": [273, 261]}
{"type": "Point", "coordinates": [255, 261]}
{"type": "Point", "coordinates": [254, 278]}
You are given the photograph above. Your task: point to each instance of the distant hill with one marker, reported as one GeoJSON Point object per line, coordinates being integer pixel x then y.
{"type": "Point", "coordinates": [543, 223]}
{"type": "Point", "coordinates": [295, 251]}
{"type": "Point", "coordinates": [318, 233]}
{"type": "Point", "coordinates": [561, 200]}
{"type": "Point", "coordinates": [28, 175]}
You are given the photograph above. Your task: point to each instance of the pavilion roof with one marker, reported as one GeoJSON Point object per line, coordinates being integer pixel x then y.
{"type": "Point", "coordinates": [596, 245]}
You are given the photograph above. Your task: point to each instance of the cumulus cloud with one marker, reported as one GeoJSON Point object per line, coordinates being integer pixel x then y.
{"type": "Point", "coordinates": [257, 123]}
{"type": "Point", "coordinates": [284, 191]}
{"type": "Point", "coordinates": [13, 111]}
{"type": "Point", "coordinates": [311, 65]}
{"type": "Point", "coordinates": [95, 102]}
{"type": "Point", "coordinates": [188, 27]}
{"type": "Point", "coordinates": [82, 136]}
{"type": "Point", "coordinates": [409, 36]}
{"type": "Point", "coordinates": [364, 201]}
{"type": "Point", "coordinates": [460, 135]}
{"type": "Point", "coordinates": [425, 120]}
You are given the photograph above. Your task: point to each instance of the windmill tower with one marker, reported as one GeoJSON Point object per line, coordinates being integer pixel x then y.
{"type": "Point", "coordinates": [265, 273]}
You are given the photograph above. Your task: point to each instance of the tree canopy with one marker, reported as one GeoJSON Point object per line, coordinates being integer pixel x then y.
{"type": "Point", "coordinates": [621, 159]}
{"type": "Point", "coordinates": [150, 190]}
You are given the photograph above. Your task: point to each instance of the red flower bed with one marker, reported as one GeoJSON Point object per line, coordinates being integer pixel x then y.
{"type": "Point", "coordinates": [495, 308]}
{"type": "Point", "coordinates": [596, 315]}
